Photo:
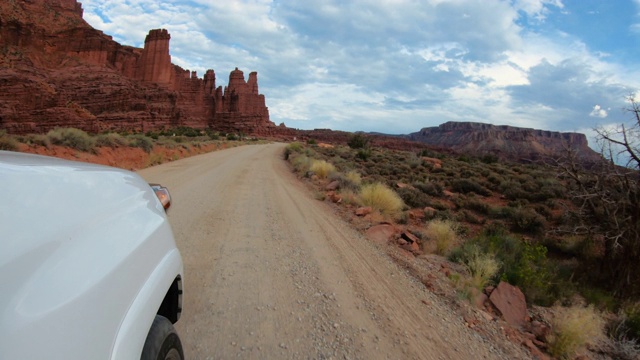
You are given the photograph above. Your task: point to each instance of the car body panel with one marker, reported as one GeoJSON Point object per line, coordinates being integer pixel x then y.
{"type": "Point", "coordinates": [80, 243]}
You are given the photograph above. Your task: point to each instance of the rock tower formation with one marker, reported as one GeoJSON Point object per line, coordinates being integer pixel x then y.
{"type": "Point", "coordinates": [56, 70]}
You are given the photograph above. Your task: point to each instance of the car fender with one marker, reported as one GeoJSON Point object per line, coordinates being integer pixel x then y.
{"type": "Point", "coordinates": [137, 321]}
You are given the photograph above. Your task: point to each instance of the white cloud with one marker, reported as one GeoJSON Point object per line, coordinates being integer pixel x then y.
{"type": "Point", "coordinates": [399, 64]}
{"type": "Point", "coordinates": [598, 112]}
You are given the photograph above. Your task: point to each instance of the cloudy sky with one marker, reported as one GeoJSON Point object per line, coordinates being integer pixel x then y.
{"type": "Point", "coordinates": [396, 66]}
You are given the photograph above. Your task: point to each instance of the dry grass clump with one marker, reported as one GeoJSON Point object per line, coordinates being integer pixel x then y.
{"type": "Point", "coordinates": [443, 232]}
{"type": "Point", "coordinates": [301, 164]}
{"type": "Point", "coordinates": [354, 177]}
{"type": "Point", "coordinates": [322, 168]}
{"type": "Point", "coordinates": [573, 328]}
{"type": "Point", "coordinates": [381, 198]}
{"type": "Point", "coordinates": [482, 267]}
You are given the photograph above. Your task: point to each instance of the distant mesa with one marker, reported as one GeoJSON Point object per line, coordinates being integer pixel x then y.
{"type": "Point", "coordinates": [56, 70]}
{"type": "Point", "coordinates": [508, 142]}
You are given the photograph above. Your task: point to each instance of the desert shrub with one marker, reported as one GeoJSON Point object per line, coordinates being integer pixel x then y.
{"type": "Point", "coordinates": [429, 188]}
{"type": "Point", "coordinates": [527, 220]}
{"type": "Point", "coordinates": [482, 266]}
{"type": "Point", "coordinates": [414, 198]}
{"type": "Point", "coordinates": [73, 138]}
{"type": "Point", "coordinates": [358, 141]}
{"type": "Point", "coordinates": [346, 182]}
{"type": "Point", "coordinates": [477, 205]}
{"type": "Point", "coordinates": [155, 159]}
{"type": "Point", "coordinates": [322, 168]}
{"type": "Point", "coordinates": [112, 140]}
{"type": "Point", "coordinates": [301, 164]}
{"type": "Point", "coordinates": [466, 186]}
{"type": "Point", "coordinates": [524, 265]}
{"type": "Point", "coordinates": [363, 154]}
{"type": "Point", "coordinates": [489, 159]}
{"type": "Point", "coordinates": [443, 233]}
{"type": "Point", "coordinates": [354, 177]}
{"type": "Point", "coordinates": [141, 141]}
{"type": "Point", "coordinates": [36, 139]}
{"type": "Point", "coordinates": [186, 131]}
{"type": "Point", "coordinates": [7, 142]}
{"type": "Point", "coordinates": [294, 147]}
{"type": "Point", "coordinates": [627, 324]}
{"type": "Point", "coordinates": [572, 329]}
{"type": "Point", "coordinates": [232, 137]}
{"type": "Point", "coordinates": [381, 198]}
{"type": "Point", "coordinates": [468, 217]}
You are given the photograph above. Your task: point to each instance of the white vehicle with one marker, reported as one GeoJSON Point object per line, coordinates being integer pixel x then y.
{"type": "Point", "coordinates": [89, 268]}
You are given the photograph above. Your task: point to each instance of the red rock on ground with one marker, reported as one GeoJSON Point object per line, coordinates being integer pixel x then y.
{"type": "Point", "coordinates": [416, 214]}
{"type": "Point", "coordinates": [510, 301]}
{"type": "Point", "coordinates": [332, 185]}
{"type": "Point", "coordinates": [381, 234]}
{"type": "Point", "coordinates": [363, 211]}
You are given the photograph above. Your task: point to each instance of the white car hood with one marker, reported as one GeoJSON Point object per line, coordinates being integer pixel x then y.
{"type": "Point", "coordinates": [77, 243]}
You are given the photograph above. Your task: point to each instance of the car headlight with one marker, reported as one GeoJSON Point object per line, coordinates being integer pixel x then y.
{"type": "Point", "coordinates": [163, 195]}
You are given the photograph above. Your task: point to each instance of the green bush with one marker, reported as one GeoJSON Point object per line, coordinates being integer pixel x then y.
{"type": "Point", "coordinates": [414, 198]}
{"type": "Point", "coordinates": [73, 138]}
{"type": "Point", "coordinates": [294, 147]}
{"type": "Point", "coordinates": [141, 142]}
{"type": "Point", "coordinates": [112, 140]}
{"type": "Point", "coordinates": [429, 188]}
{"type": "Point", "coordinates": [528, 221]}
{"type": "Point", "coordinates": [466, 186]}
{"type": "Point", "coordinates": [364, 154]}
{"type": "Point", "coordinates": [358, 141]}
{"type": "Point", "coordinates": [7, 142]}
{"type": "Point", "coordinates": [301, 164]}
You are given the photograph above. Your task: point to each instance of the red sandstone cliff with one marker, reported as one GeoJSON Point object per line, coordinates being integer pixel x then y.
{"type": "Point", "coordinates": [56, 70]}
{"type": "Point", "coordinates": [507, 142]}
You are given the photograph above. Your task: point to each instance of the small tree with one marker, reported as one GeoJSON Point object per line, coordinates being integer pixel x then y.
{"type": "Point", "coordinates": [608, 199]}
{"type": "Point", "coordinates": [358, 141]}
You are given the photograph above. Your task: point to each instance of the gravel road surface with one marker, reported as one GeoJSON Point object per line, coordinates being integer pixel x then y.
{"type": "Point", "coordinates": [272, 273]}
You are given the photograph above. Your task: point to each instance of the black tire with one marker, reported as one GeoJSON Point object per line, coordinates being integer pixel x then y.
{"type": "Point", "coordinates": [162, 342]}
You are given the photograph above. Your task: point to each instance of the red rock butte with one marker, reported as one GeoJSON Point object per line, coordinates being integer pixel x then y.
{"type": "Point", "coordinates": [58, 71]}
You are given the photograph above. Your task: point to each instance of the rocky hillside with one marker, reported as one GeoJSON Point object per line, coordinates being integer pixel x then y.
{"type": "Point", "coordinates": [56, 70]}
{"type": "Point", "coordinates": [505, 142]}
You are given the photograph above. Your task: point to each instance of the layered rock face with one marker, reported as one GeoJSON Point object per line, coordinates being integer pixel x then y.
{"type": "Point", "coordinates": [56, 70]}
{"type": "Point", "coordinates": [507, 142]}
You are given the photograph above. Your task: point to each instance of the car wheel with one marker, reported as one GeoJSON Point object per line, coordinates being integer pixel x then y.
{"type": "Point", "coordinates": [162, 342]}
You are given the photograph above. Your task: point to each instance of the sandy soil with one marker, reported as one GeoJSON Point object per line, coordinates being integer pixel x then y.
{"type": "Point", "coordinates": [272, 273]}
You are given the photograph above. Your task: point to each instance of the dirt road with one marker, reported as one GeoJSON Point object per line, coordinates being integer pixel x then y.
{"type": "Point", "coordinates": [272, 273]}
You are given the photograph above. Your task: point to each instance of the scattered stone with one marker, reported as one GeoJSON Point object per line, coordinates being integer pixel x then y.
{"type": "Point", "coordinates": [429, 212]}
{"type": "Point", "coordinates": [436, 163]}
{"type": "Point", "coordinates": [381, 234]}
{"type": "Point", "coordinates": [334, 185]}
{"type": "Point", "coordinates": [404, 186]}
{"type": "Point", "coordinates": [362, 211]}
{"type": "Point", "coordinates": [540, 330]}
{"type": "Point", "coordinates": [534, 350]}
{"type": "Point", "coordinates": [333, 197]}
{"type": "Point", "coordinates": [416, 214]}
